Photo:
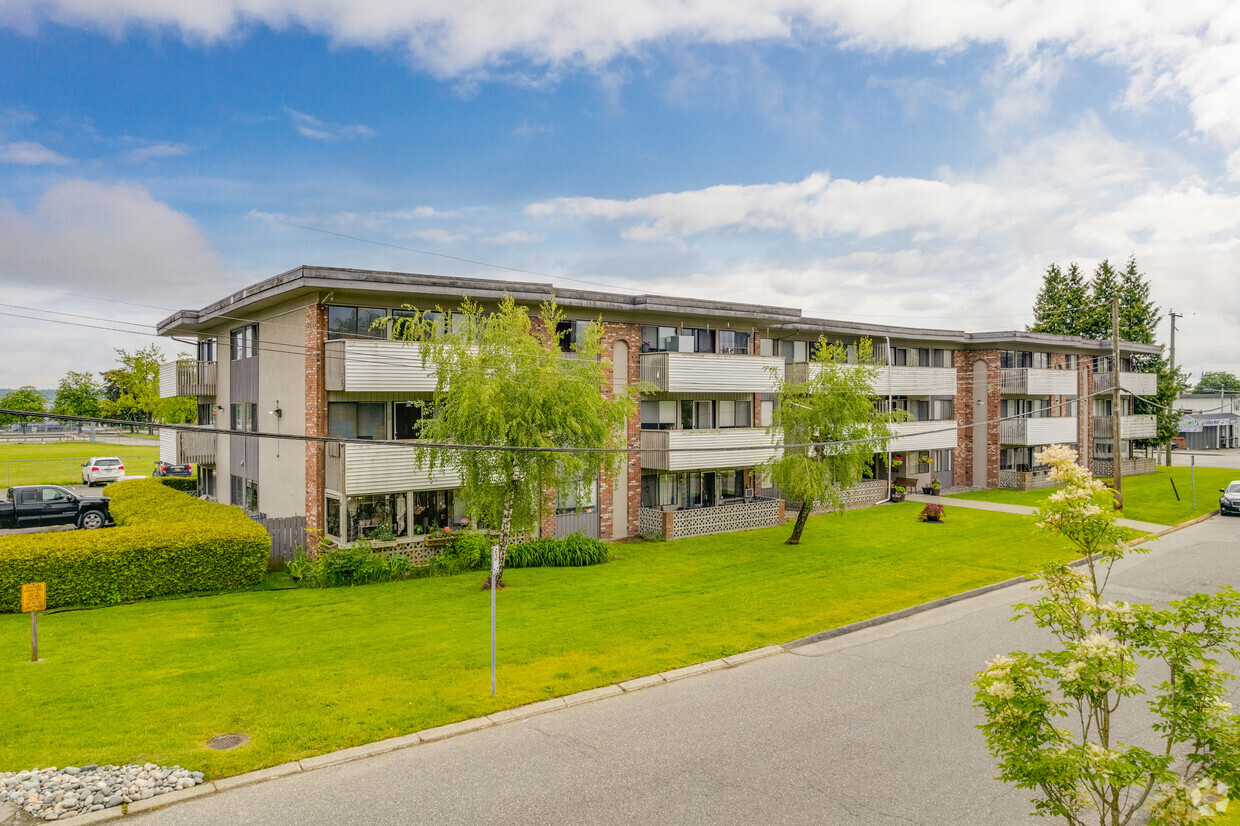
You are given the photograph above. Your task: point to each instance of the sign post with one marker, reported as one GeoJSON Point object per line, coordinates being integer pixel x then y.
{"type": "Point", "coordinates": [494, 581]}
{"type": "Point", "coordinates": [34, 600]}
{"type": "Point", "coordinates": [1193, 474]}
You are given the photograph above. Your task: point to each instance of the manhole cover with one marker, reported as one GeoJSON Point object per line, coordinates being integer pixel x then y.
{"type": "Point", "coordinates": [224, 742]}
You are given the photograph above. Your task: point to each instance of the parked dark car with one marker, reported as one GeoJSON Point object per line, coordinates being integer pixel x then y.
{"type": "Point", "coordinates": [39, 506]}
{"type": "Point", "coordinates": [163, 468]}
{"type": "Point", "coordinates": [1229, 502]}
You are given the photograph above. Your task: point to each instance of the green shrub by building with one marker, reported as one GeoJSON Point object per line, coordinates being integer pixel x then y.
{"type": "Point", "coordinates": [570, 551]}
{"type": "Point", "coordinates": [181, 483]}
{"type": "Point", "coordinates": [164, 542]}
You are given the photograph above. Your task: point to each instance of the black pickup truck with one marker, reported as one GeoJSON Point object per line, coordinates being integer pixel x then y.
{"type": "Point", "coordinates": [38, 506]}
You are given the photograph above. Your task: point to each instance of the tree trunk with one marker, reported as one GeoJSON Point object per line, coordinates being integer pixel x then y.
{"type": "Point", "coordinates": [497, 580]}
{"type": "Point", "coordinates": [802, 517]}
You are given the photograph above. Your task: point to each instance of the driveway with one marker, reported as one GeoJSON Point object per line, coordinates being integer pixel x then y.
{"type": "Point", "coordinates": [874, 727]}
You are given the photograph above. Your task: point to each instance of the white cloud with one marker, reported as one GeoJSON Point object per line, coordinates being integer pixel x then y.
{"type": "Point", "coordinates": [515, 236]}
{"type": "Point", "coordinates": [155, 150]}
{"type": "Point", "coordinates": [439, 236]}
{"type": "Point", "coordinates": [1185, 50]}
{"type": "Point", "coordinates": [88, 242]}
{"type": "Point", "coordinates": [28, 153]}
{"type": "Point", "coordinates": [311, 127]}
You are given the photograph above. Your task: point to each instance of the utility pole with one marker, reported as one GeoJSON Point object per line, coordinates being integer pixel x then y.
{"type": "Point", "coordinates": [1116, 459]}
{"type": "Point", "coordinates": [1173, 315]}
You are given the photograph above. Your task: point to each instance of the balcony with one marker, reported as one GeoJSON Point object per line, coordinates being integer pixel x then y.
{"type": "Point", "coordinates": [709, 373]}
{"type": "Point", "coordinates": [196, 447]}
{"type": "Point", "coordinates": [1140, 384]}
{"type": "Point", "coordinates": [1130, 427]}
{"type": "Point", "coordinates": [186, 378]}
{"type": "Point", "coordinates": [1035, 381]}
{"type": "Point", "coordinates": [728, 447]}
{"type": "Point", "coordinates": [898, 381]}
{"type": "Point", "coordinates": [364, 365]}
{"type": "Point", "coordinates": [1059, 430]}
{"type": "Point", "coordinates": [927, 435]}
{"type": "Point", "coordinates": [355, 469]}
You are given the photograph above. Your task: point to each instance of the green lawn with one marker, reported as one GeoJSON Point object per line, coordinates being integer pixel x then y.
{"type": "Point", "coordinates": [1148, 498]}
{"type": "Point", "coordinates": [59, 463]}
{"type": "Point", "coordinates": [304, 672]}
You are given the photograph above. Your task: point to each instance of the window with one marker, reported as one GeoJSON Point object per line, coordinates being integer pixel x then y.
{"type": "Point", "coordinates": [357, 420]}
{"type": "Point", "coordinates": [251, 496]}
{"type": "Point", "coordinates": [375, 513]}
{"type": "Point", "coordinates": [206, 482]}
{"type": "Point", "coordinates": [206, 349]}
{"type": "Point", "coordinates": [1042, 361]}
{"type": "Point", "coordinates": [942, 409]}
{"type": "Point", "coordinates": [658, 415]}
{"type": "Point", "coordinates": [588, 500]}
{"type": "Point", "coordinates": [1070, 406]}
{"type": "Point", "coordinates": [655, 339]}
{"type": "Point", "coordinates": [795, 352]}
{"type": "Point", "coordinates": [703, 340]}
{"type": "Point", "coordinates": [333, 517]}
{"type": "Point", "coordinates": [242, 342]}
{"type": "Point", "coordinates": [766, 347]}
{"type": "Point", "coordinates": [944, 358]}
{"type": "Point", "coordinates": [1102, 364]}
{"type": "Point", "coordinates": [733, 342]}
{"type": "Point", "coordinates": [1102, 407]}
{"type": "Point", "coordinates": [658, 489]}
{"type": "Point", "coordinates": [733, 484]}
{"type": "Point", "coordinates": [407, 420]}
{"type": "Point", "coordinates": [1016, 408]}
{"type": "Point", "coordinates": [55, 495]}
{"type": "Point", "coordinates": [236, 492]}
{"type": "Point", "coordinates": [767, 413]}
{"type": "Point", "coordinates": [243, 417]}
{"type": "Point", "coordinates": [354, 322]}
{"type": "Point", "coordinates": [735, 414]}
{"type": "Point", "coordinates": [433, 509]}
{"type": "Point", "coordinates": [206, 414]}
{"type": "Point", "coordinates": [571, 333]}
{"type": "Point", "coordinates": [899, 356]}
{"type": "Point", "coordinates": [690, 490]}
{"type": "Point", "coordinates": [923, 357]}
{"type": "Point", "coordinates": [1071, 361]}
{"type": "Point", "coordinates": [696, 415]}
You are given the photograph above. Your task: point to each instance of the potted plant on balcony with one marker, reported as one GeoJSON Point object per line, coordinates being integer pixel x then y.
{"type": "Point", "coordinates": [897, 493]}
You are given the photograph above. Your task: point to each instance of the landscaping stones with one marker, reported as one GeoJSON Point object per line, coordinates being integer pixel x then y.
{"type": "Point", "coordinates": [59, 794]}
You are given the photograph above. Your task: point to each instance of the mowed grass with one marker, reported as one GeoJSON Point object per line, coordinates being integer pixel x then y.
{"type": "Point", "coordinates": [304, 672]}
{"type": "Point", "coordinates": [1148, 498]}
{"type": "Point", "coordinates": [59, 463]}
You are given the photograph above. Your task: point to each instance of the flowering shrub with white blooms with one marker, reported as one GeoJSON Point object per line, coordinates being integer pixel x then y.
{"type": "Point", "coordinates": [1049, 716]}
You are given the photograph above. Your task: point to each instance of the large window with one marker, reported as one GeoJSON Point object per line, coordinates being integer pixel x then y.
{"type": "Point", "coordinates": [703, 340]}
{"type": "Point", "coordinates": [354, 322]}
{"type": "Point", "coordinates": [206, 349]}
{"type": "Point", "coordinates": [333, 517]}
{"type": "Point", "coordinates": [243, 342]}
{"type": "Point", "coordinates": [658, 489]}
{"type": "Point", "coordinates": [378, 513]}
{"type": "Point", "coordinates": [733, 342]}
{"type": "Point", "coordinates": [735, 414]}
{"type": "Point", "coordinates": [656, 339]}
{"type": "Point", "coordinates": [243, 417]}
{"type": "Point", "coordinates": [658, 415]}
{"type": "Point", "coordinates": [206, 482]}
{"type": "Point", "coordinates": [944, 358]}
{"type": "Point", "coordinates": [433, 509]}
{"type": "Point", "coordinates": [587, 502]}
{"type": "Point", "coordinates": [407, 420]}
{"type": "Point", "coordinates": [795, 352]}
{"type": "Point", "coordinates": [571, 332]}
{"type": "Point", "coordinates": [357, 420]}
{"type": "Point", "coordinates": [942, 409]}
{"type": "Point", "coordinates": [697, 415]}
{"type": "Point", "coordinates": [244, 493]}
{"type": "Point", "coordinates": [206, 414]}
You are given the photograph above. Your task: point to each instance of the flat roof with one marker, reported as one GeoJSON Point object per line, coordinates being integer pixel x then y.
{"type": "Point", "coordinates": [309, 279]}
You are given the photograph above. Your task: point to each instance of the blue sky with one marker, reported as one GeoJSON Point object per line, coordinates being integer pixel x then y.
{"type": "Point", "coordinates": [909, 162]}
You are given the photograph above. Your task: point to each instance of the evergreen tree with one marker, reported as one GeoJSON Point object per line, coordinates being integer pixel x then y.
{"type": "Point", "coordinates": [1060, 302]}
{"type": "Point", "coordinates": [1095, 320]}
{"type": "Point", "coordinates": [1138, 315]}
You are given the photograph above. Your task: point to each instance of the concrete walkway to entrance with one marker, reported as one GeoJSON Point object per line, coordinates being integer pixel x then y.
{"type": "Point", "coordinates": [999, 507]}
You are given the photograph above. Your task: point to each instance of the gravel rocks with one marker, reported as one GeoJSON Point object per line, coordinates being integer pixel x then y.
{"type": "Point", "coordinates": [56, 794]}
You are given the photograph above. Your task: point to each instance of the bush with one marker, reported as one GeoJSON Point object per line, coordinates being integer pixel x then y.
{"type": "Point", "coordinates": [358, 565]}
{"type": "Point", "coordinates": [469, 551]}
{"type": "Point", "coordinates": [180, 483]}
{"type": "Point", "coordinates": [164, 542]}
{"type": "Point", "coordinates": [931, 513]}
{"type": "Point", "coordinates": [570, 551]}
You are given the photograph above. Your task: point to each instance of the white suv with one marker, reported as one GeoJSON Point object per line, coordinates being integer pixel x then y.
{"type": "Point", "coordinates": [102, 469]}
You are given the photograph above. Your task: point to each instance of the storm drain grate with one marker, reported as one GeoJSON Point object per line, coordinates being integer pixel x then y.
{"type": "Point", "coordinates": [224, 742]}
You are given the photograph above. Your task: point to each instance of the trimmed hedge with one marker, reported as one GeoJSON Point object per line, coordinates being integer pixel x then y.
{"type": "Point", "coordinates": [164, 542]}
{"type": "Point", "coordinates": [570, 551]}
{"type": "Point", "coordinates": [181, 483]}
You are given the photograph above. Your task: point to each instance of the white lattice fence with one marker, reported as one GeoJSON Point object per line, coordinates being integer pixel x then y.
{"type": "Point", "coordinates": [704, 521]}
{"type": "Point", "coordinates": [1026, 480]}
{"type": "Point", "coordinates": [650, 521]}
{"type": "Point", "coordinates": [1103, 469]}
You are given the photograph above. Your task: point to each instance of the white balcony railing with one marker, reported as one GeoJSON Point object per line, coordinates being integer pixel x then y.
{"type": "Point", "coordinates": [1043, 431]}
{"type": "Point", "coordinates": [186, 378]}
{"type": "Point", "coordinates": [709, 373]}
{"type": "Point", "coordinates": [1036, 381]}
{"type": "Point", "coordinates": [365, 365]}
{"type": "Point", "coordinates": [727, 447]}
{"type": "Point", "coordinates": [355, 469]}
{"type": "Point", "coordinates": [898, 381]}
{"type": "Point", "coordinates": [196, 447]}
{"type": "Point", "coordinates": [928, 435]}
{"type": "Point", "coordinates": [1130, 427]}
{"type": "Point", "coordinates": [1141, 384]}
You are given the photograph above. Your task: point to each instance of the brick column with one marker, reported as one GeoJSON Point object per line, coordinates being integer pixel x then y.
{"type": "Point", "coordinates": [631, 335]}
{"type": "Point", "coordinates": [967, 413]}
{"type": "Point", "coordinates": [316, 422]}
{"type": "Point", "coordinates": [1085, 412]}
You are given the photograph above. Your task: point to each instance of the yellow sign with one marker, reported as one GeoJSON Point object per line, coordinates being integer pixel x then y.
{"type": "Point", "coordinates": [34, 597]}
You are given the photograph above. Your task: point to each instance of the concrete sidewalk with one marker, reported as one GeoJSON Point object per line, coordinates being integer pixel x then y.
{"type": "Point", "coordinates": [1000, 507]}
{"type": "Point", "coordinates": [874, 727]}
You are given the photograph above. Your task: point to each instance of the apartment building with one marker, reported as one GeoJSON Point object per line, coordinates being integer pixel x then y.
{"type": "Point", "coordinates": [300, 354]}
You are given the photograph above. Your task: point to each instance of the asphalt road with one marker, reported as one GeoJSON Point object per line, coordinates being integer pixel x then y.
{"type": "Point", "coordinates": [1207, 458]}
{"type": "Point", "coordinates": [875, 727]}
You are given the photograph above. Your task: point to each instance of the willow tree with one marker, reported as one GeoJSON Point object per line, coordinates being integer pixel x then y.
{"type": "Point", "coordinates": [835, 416]}
{"type": "Point", "coordinates": [505, 383]}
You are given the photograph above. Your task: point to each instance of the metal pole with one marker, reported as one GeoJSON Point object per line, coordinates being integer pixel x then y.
{"type": "Point", "coordinates": [888, 340]}
{"type": "Point", "coordinates": [1193, 474]}
{"type": "Point", "coordinates": [34, 636]}
{"type": "Point", "coordinates": [1173, 315]}
{"type": "Point", "coordinates": [492, 634]}
{"type": "Point", "coordinates": [1116, 459]}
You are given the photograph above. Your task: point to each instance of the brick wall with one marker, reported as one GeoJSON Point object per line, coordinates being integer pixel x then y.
{"type": "Point", "coordinates": [631, 335]}
{"type": "Point", "coordinates": [316, 420]}
{"type": "Point", "coordinates": [1085, 411]}
{"type": "Point", "coordinates": [967, 412]}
